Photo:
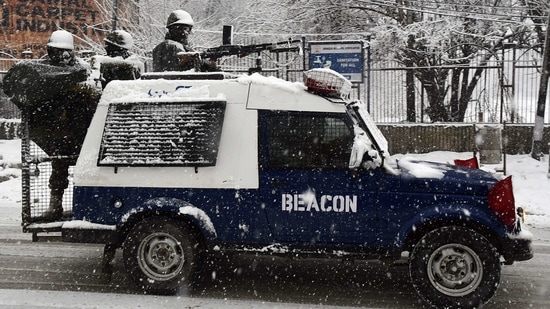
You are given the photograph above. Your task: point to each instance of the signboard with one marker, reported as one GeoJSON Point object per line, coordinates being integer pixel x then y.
{"type": "Point", "coordinates": [344, 57]}
{"type": "Point", "coordinates": [27, 24]}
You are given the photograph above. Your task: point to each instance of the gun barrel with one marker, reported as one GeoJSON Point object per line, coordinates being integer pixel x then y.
{"type": "Point", "coordinates": [244, 50]}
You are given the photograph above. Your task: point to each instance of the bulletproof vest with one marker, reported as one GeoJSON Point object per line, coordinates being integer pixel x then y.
{"type": "Point", "coordinates": [165, 57]}
{"type": "Point", "coordinates": [117, 71]}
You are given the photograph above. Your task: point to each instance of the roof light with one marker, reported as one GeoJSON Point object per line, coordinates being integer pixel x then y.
{"type": "Point", "coordinates": [327, 82]}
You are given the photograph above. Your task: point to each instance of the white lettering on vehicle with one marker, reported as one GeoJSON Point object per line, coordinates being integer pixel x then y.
{"type": "Point", "coordinates": [328, 203]}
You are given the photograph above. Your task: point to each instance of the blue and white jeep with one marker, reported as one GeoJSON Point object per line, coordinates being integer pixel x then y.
{"type": "Point", "coordinates": [175, 168]}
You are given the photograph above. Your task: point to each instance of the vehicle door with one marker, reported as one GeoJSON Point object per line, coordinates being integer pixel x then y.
{"type": "Point", "coordinates": [309, 194]}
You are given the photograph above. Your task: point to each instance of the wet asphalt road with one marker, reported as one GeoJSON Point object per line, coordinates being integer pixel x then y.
{"type": "Point", "coordinates": [75, 267]}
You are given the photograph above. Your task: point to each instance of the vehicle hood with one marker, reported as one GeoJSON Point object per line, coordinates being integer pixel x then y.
{"type": "Point", "coordinates": [424, 176]}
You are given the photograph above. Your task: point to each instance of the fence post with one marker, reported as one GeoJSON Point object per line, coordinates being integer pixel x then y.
{"type": "Point", "coordinates": [369, 62]}
{"type": "Point", "coordinates": [25, 170]}
{"type": "Point", "coordinates": [536, 150]}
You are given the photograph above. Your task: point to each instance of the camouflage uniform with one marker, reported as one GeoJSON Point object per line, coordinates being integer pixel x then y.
{"type": "Point", "coordinates": [59, 107]}
{"type": "Point", "coordinates": [167, 56]}
{"type": "Point", "coordinates": [119, 64]}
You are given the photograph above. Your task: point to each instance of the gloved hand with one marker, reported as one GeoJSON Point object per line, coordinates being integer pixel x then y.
{"type": "Point", "coordinates": [186, 58]}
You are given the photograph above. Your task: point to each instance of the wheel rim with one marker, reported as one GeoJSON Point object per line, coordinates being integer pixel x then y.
{"type": "Point", "coordinates": [455, 270]}
{"type": "Point", "coordinates": [160, 256]}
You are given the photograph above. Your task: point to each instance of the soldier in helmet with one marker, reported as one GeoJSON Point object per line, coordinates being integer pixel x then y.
{"type": "Point", "coordinates": [170, 54]}
{"type": "Point", "coordinates": [60, 48]}
{"type": "Point", "coordinates": [58, 104]}
{"type": "Point", "coordinates": [119, 64]}
{"type": "Point", "coordinates": [118, 44]}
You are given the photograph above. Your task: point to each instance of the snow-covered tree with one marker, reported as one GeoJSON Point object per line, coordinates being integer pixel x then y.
{"type": "Point", "coordinates": [444, 41]}
{"type": "Point", "coordinates": [448, 43]}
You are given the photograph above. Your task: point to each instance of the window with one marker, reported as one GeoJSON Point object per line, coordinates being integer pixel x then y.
{"type": "Point", "coordinates": [308, 140]}
{"type": "Point", "coordinates": [162, 133]}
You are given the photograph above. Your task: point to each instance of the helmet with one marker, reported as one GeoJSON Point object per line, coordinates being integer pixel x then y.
{"type": "Point", "coordinates": [61, 39]}
{"type": "Point", "coordinates": [120, 38]}
{"type": "Point", "coordinates": [179, 17]}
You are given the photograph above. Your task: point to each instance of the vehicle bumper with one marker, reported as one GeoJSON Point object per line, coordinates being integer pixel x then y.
{"type": "Point", "coordinates": [89, 233]}
{"type": "Point", "coordinates": [518, 247]}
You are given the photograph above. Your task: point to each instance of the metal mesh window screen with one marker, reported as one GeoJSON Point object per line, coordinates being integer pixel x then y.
{"type": "Point", "coordinates": [308, 141]}
{"type": "Point", "coordinates": [37, 171]}
{"type": "Point", "coordinates": [162, 133]}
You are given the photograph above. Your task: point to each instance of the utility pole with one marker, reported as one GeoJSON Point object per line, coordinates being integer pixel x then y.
{"type": "Point", "coordinates": [115, 15]}
{"type": "Point", "coordinates": [536, 151]}
{"type": "Point", "coordinates": [409, 75]}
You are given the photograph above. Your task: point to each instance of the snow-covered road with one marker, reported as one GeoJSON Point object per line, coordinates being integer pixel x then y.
{"type": "Point", "coordinates": [60, 275]}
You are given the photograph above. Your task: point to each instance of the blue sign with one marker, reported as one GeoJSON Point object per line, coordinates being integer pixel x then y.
{"type": "Point", "coordinates": [344, 57]}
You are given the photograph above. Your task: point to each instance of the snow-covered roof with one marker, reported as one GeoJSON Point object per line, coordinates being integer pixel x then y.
{"type": "Point", "coordinates": [256, 91]}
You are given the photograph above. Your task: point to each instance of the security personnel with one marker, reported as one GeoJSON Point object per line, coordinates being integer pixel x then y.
{"type": "Point", "coordinates": [167, 56]}
{"type": "Point", "coordinates": [118, 44]}
{"type": "Point", "coordinates": [59, 106]}
{"type": "Point", "coordinates": [121, 65]}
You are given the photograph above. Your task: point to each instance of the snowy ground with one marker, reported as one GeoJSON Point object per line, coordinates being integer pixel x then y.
{"type": "Point", "coordinates": [531, 188]}
{"type": "Point", "coordinates": [22, 299]}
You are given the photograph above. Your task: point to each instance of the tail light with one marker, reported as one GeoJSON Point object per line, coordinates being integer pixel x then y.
{"type": "Point", "coordinates": [501, 201]}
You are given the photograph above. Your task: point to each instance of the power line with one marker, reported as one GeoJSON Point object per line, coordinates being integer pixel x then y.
{"type": "Point", "coordinates": [464, 5]}
{"type": "Point", "coordinates": [481, 16]}
{"type": "Point", "coordinates": [506, 18]}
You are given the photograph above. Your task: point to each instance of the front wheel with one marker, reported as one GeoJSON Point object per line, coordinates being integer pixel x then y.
{"type": "Point", "coordinates": [455, 267]}
{"type": "Point", "coordinates": [161, 255]}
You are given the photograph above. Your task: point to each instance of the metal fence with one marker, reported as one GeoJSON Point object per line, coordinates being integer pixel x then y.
{"type": "Point", "coordinates": [36, 169]}
{"type": "Point", "coordinates": [506, 92]}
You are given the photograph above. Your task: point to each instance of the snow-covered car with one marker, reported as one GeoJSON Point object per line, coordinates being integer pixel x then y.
{"type": "Point", "coordinates": [174, 168]}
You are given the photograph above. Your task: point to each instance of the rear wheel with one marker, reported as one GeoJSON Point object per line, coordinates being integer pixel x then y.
{"type": "Point", "coordinates": [161, 255]}
{"type": "Point", "coordinates": [455, 267]}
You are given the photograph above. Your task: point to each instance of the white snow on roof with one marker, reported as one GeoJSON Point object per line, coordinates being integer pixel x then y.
{"type": "Point", "coordinates": [118, 92]}
{"type": "Point", "coordinates": [272, 81]}
{"type": "Point", "coordinates": [159, 89]}
{"type": "Point", "coordinates": [331, 72]}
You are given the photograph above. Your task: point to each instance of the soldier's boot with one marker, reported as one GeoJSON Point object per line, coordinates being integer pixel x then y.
{"type": "Point", "coordinates": [55, 209]}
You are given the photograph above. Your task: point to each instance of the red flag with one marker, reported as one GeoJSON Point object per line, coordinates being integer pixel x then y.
{"type": "Point", "coordinates": [471, 163]}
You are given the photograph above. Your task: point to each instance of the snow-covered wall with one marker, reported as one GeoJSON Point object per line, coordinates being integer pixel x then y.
{"type": "Point", "coordinates": [458, 137]}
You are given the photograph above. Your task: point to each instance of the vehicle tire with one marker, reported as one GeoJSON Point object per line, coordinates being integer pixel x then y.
{"type": "Point", "coordinates": [455, 267]}
{"type": "Point", "coordinates": [161, 255]}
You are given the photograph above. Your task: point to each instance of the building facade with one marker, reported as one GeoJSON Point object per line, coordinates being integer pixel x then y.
{"type": "Point", "coordinates": [25, 25]}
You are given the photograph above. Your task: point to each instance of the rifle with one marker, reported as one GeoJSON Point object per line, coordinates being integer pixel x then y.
{"type": "Point", "coordinates": [245, 50]}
